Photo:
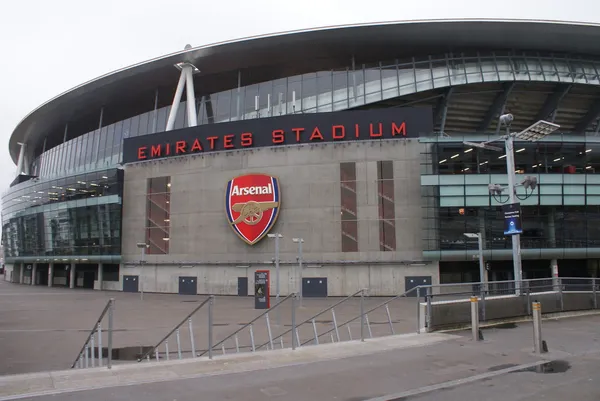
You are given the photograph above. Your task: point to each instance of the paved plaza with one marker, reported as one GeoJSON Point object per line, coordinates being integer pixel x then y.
{"type": "Point", "coordinates": [437, 366]}
{"type": "Point", "coordinates": [44, 328]}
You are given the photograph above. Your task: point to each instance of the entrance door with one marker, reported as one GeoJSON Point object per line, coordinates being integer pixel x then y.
{"type": "Point", "coordinates": [131, 283]}
{"type": "Point", "coordinates": [411, 282]}
{"type": "Point", "coordinates": [188, 285]}
{"type": "Point", "coordinates": [242, 287]}
{"type": "Point", "coordinates": [314, 287]}
{"type": "Point", "coordinates": [88, 280]}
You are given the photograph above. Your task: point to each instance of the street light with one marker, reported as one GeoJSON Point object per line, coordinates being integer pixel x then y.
{"type": "Point", "coordinates": [299, 241]}
{"type": "Point", "coordinates": [533, 133]}
{"type": "Point", "coordinates": [481, 266]}
{"type": "Point", "coordinates": [143, 246]}
{"type": "Point", "coordinates": [276, 236]}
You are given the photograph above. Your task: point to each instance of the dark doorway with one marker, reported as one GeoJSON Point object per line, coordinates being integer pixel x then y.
{"type": "Point", "coordinates": [131, 283]}
{"type": "Point", "coordinates": [242, 287]}
{"type": "Point", "coordinates": [42, 273]}
{"type": "Point", "coordinates": [411, 282]}
{"type": "Point", "coordinates": [314, 287]}
{"type": "Point", "coordinates": [188, 285]}
{"type": "Point", "coordinates": [88, 280]}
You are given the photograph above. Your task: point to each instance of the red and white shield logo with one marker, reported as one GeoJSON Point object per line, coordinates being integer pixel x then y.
{"type": "Point", "coordinates": [252, 204]}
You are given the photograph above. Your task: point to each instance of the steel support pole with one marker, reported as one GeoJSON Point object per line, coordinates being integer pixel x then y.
{"type": "Point", "coordinates": [481, 264]}
{"type": "Point", "coordinates": [176, 101]}
{"type": "Point", "coordinates": [516, 238]}
{"type": "Point", "coordinates": [191, 99]}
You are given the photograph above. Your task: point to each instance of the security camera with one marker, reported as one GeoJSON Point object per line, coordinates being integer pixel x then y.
{"type": "Point", "coordinates": [506, 119]}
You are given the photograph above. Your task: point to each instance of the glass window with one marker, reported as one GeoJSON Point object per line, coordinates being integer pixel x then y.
{"type": "Point", "coordinates": [373, 83]}
{"type": "Point", "coordinates": [143, 125]}
{"type": "Point", "coordinates": [265, 100]}
{"type": "Point", "coordinates": [340, 90]}
{"type": "Point", "coordinates": [325, 88]}
{"type": "Point", "coordinates": [161, 119]}
{"type": "Point", "coordinates": [387, 214]}
{"type": "Point", "coordinates": [135, 126]}
{"type": "Point", "coordinates": [309, 92]}
{"type": "Point", "coordinates": [357, 86]}
{"type": "Point", "coordinates": [279, 97]}
{"type": "Point", "coordinates": [158, 215]}
{"type": "Point", "coordinates": [249, 101]}
{"type": "Point", "coordinates": [349, 210]}
{"type": "Point", "coordinates": [294, 95]}
{"type": "Point", "coordinates": [223, 112]}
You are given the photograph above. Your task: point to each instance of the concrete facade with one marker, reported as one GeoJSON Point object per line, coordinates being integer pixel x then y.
{"type": "Point", "coordinates": [203, 245]}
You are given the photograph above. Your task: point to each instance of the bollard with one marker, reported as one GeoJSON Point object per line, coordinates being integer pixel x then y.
{"type": "Point", "coordinates": [537, 327]}
{"type": "Point", "coordinates": [418, 310]}
{"type": "Point", "coordinates": [475, 318]}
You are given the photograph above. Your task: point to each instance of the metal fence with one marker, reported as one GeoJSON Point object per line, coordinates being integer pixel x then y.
{"type": "Point", "coordinates": [89, 354]}
{"type": "Point", "coordinates": [176, 332]}
{"type": "Point", "coordinates": [267, 331]}
{"type": "Point", "coordinates": [443, 305]}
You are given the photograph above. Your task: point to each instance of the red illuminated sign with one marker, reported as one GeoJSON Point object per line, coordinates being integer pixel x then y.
{"type": "Point", "coordinates": [279, 131]}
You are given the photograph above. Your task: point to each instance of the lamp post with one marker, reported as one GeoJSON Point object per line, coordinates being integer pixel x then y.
{"type": "Point", "coordinates": [299, 241]}
{"type": "Point", "coordinates": [533, 133]}
{"type": "Point", "coordinates": [276, 236]}
{"type": "Point", "coordinates": [142, 246]}
{"type": "Point", "coordinates": [482, 278]}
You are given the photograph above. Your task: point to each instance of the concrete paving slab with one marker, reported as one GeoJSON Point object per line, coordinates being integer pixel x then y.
{"type": "Point", "coordinates": [44, 328]}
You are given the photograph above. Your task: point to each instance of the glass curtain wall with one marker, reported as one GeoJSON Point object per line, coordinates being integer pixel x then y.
{"type": "Point", "coordinates": [341, 88]}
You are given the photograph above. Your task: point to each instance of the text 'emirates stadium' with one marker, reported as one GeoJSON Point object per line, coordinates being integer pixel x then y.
{"type": "Point", "coordinates": [355, 150]}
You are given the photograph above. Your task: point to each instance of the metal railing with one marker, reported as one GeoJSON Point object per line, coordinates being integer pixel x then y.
{"type": "Point", "coordinates": [87, 355]}
{"type": "Point", "coordinates": [364, 320]}
{"type": "Point", "coordinates": [176, 330]}
{"type": "Point", "coordinates": [250, 326]}
{"type": "Point", "coordinates": [294, 329]}
{"type": "Point", "coordinates": [559, 293]}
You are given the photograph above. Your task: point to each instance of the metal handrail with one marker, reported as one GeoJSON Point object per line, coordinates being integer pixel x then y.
{"type": "Point", "coordinates": [108, 306]}
{"type": "Point", "coordinates": [404, 294]}
{"type": "Point", "coordinates": [314, 316]}
{"type": "Point", "coordinates": [176, 327]}
{"type": "Point", "coordinates": [504, 281]}
{"type": "Point", "coordinates": [250, 323]}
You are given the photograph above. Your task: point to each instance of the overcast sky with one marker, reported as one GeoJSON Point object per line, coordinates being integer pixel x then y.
{"type": "Point", "coordinates": [49, 46]}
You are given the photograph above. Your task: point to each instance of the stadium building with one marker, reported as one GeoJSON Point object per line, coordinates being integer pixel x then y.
{"type": "Point", "coordinates": [169, 175]}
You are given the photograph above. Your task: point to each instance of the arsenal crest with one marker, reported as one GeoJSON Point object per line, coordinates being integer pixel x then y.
{"type": "Point", "coordinates": [252, 205]}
